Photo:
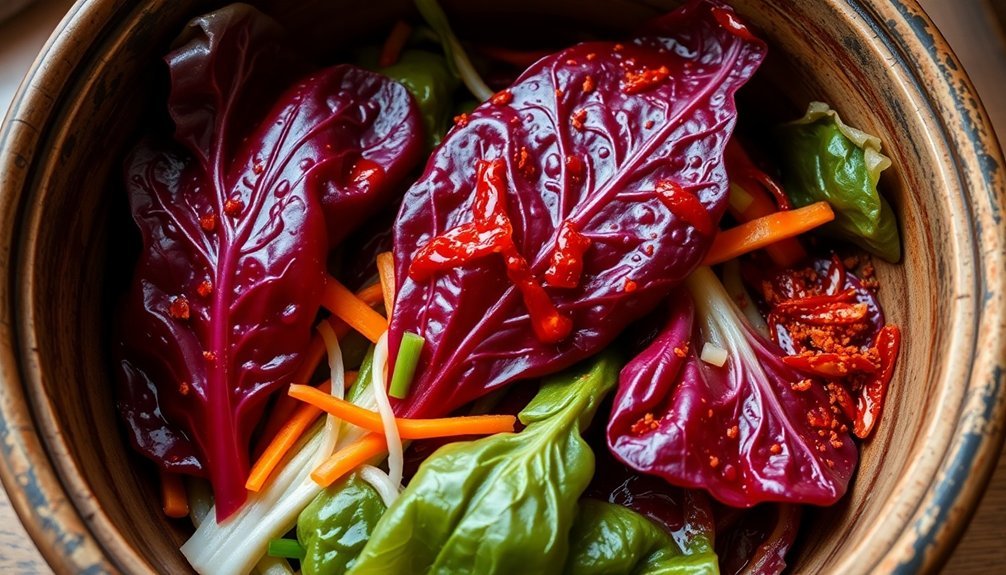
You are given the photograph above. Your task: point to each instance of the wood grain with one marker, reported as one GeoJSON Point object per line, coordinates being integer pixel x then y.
{"type": "Point", "coordinates": [969, 25]}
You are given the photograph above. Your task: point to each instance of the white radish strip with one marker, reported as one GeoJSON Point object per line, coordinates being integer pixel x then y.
{"type": "Point", "coordinates": [236, 545]}
{"type": "Point", "coordinates": [381, 483]}
{"type": "Point", "coordinates": [338, 372]}
{"type": "Point", "coordinates": [337, 376]}
{"type": "Point", "coordinates": [396, 460]}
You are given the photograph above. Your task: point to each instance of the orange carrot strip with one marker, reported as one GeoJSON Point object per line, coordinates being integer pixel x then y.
{"type": "Point", "coordinates": [394, 43]}
{"type": "Point", "coordinates": [767, 230]}
{"type": "Point", "coordinates": [386, 271]}
{"type": "Point", "coordinates": [173, 498]}
{"type": "Point", "coordinates": [372, 294]}
{"type": "Point", "coordinates": [348, 458]}
{"type": "Point", "coordinates": [284, 407]}
{"type": "Point", "coordinates": [353, 310]}
{"type": "Point", "coordinates": [302, 418]}
{"type": "Point", "coordinates": [785, 253]}
{"type": "Point", "coordinates": [407, 428]}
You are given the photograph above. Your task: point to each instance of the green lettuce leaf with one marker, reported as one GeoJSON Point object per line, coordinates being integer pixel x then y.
{"type": "Point", "coordinates": [335, 526]}
{"type": "Point", "coordinates": [502, 504]}
{"type": "Point", "coordinates": [428, 78]}
{"type": "Point", "coordinates": [825, 159]}
{"type": "Point", "coordinates": [609, 539]}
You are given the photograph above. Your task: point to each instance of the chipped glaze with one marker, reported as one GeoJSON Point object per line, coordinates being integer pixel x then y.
{"type": "Point", "coordinates": [92, 508]}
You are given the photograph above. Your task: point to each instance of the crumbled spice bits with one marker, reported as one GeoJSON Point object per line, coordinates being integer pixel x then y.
{"type": "Point", "coordinates": [502, 98]}
{"type": "Point", "coordinates": [681, 350]}
{"type": "Point", "coordinates": [233, 207]}
{"type": "Point", "coordinates": [179, 308]}
{"type": "Point", "coordinates": [646, 424]}
{"type": "Point", "coordinates": [578, 119]}
{"type": "Point", "coordinates": [205, 288]}
{"type": "Point", "coordinates": [208, 222]}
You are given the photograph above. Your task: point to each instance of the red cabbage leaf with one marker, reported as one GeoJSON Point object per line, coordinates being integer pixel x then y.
{"type": "Point", "coordinates": [229, 281]}
{"type": "Point", "coordinates": [619, 144]}
{"type": "Point", "coordinates": [753, 430]}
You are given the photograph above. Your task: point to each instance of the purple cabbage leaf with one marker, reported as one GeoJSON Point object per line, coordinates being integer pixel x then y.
{"type": "Point", "coordinates": [618, 146]}
{"type": "Point", "coordinates": [749, 431]}
{"type": "Point", "coordinates": [224, 297]}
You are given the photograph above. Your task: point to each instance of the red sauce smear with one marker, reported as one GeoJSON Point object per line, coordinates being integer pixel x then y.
{"type": "Point", "coordinates": [567, 258]}
{"type": "Point", "coordinates": [491, 232]}
{"type": "Point", "coordinates": [729, 21]}
{"type": "Point", "coordinates": [685, 206]}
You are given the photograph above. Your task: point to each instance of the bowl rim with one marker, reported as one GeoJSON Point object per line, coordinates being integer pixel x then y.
{"type": "Point", "coordinates": [65, 535]}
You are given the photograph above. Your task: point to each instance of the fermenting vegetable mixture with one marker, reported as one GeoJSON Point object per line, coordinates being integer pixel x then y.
{"type": "Point", "coordinates": [561, 318]}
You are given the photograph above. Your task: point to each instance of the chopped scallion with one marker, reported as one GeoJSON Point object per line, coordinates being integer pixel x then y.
{"type": "Point", "coordinates": [405, 364]}
{"type": "Point", "coordinates": [286, 548]}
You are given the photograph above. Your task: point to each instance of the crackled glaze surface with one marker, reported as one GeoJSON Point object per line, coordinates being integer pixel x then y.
{"type": "Point", "coordinates": [91, 507]}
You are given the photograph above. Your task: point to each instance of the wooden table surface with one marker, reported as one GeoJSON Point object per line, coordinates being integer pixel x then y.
{"type": "Point", "coordinates": [972, 28]}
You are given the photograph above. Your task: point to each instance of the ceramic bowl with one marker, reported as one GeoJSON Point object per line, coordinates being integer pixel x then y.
{"type": "Point", "coordinates": [90, 507]}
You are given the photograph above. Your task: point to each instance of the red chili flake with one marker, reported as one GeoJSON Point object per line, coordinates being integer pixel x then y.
{"type": "Point", "coordinates": [685, 206]}
{"type": "Point", "coordinates": [588, 84]}
{"type": "Point", "coordinates": [728, 20]}
{"type": "Point", "coordinates": [775, 449]}
{"type": "Point", "coordinates": [502, 98]}
{"type": "Point", "coordinates": [733, 432]}
{"type": "Point", "coordinates": [559, 93]}
{"type": "Point", "coordinates": [636, 82]}
{"type": "Point", "coordinates": [646, 424]}
{"type": "Point", "coordinates": [461, 120]}
{"type": "Point", "coordinates": [591, 56]}
{"type": "Point", "coordinates": [183, 388]}
{"type": "Point", "coordinates": [630, 286]}
{"type": "Point", "coordinates": [619, 47]}
{"type": "Point", "coordinates": [575, 167]}
{"type": "Point", "coordinates": [523, 160]}
{"type": "Point", "coordinates": [233, 207]}
{"type": "Point", "coordinates": [578, 118]}
{"type": "Point", "coordinates": [648, 124]}
{"type": "Point", "coordinates": [257, 169]}
{"type": "Point", "coordinates": [648, 249]}
{"type": "Point", "coordinates": [682, 350]}
{"type": "Point", "coordinates": [205, 288]}
{"type": "Point", "coordinates": [714, 461]}
{"type": "Point", "coordinates": [567, 258]}
{"type": "Point", "coordinates": [208, 222]}
{"type": "Point", "coordinates": [571, 62]}
{"type": "Point", "coordinates": [709, 413]}
{"type": "Point", "coordinates": [209, 356]}
{"type": "Point", "coordinates": [179, 308]}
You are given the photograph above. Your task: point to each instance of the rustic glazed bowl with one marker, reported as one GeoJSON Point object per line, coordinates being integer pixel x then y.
{"type": "Point", "coordinates": [90, 506]}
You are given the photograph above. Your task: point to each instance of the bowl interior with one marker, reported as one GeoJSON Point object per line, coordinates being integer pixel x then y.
{"type": "Point", "coordinates": [78, 247]}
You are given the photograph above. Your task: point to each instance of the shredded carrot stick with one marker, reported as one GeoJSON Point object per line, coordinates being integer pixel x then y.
{"type": "Point", "coordinates": [516, 58]}
{"type": "Point", "coordinates": [407, 428]}
{"type": "Point", "coordinates": [300, 421]}
{"type": "Point", "coordinates": [173, 499]}
{"type": "Point", "coordinates": [348, 458]}
{"type": "Point", "coordinates": [756, 203]}
{"type": "Point", "coordinates": [767, 230]}
{"type": "Point", "coordinates": [394, 43]}
{"type": "Point", "coordinates": [284, 407]}
{"type": "Point", "coordinates": [353, 310]}
{"type": "Point", "coordinates": [386, 271]}
{"type": "Point", "coordinates": [372, 294]}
